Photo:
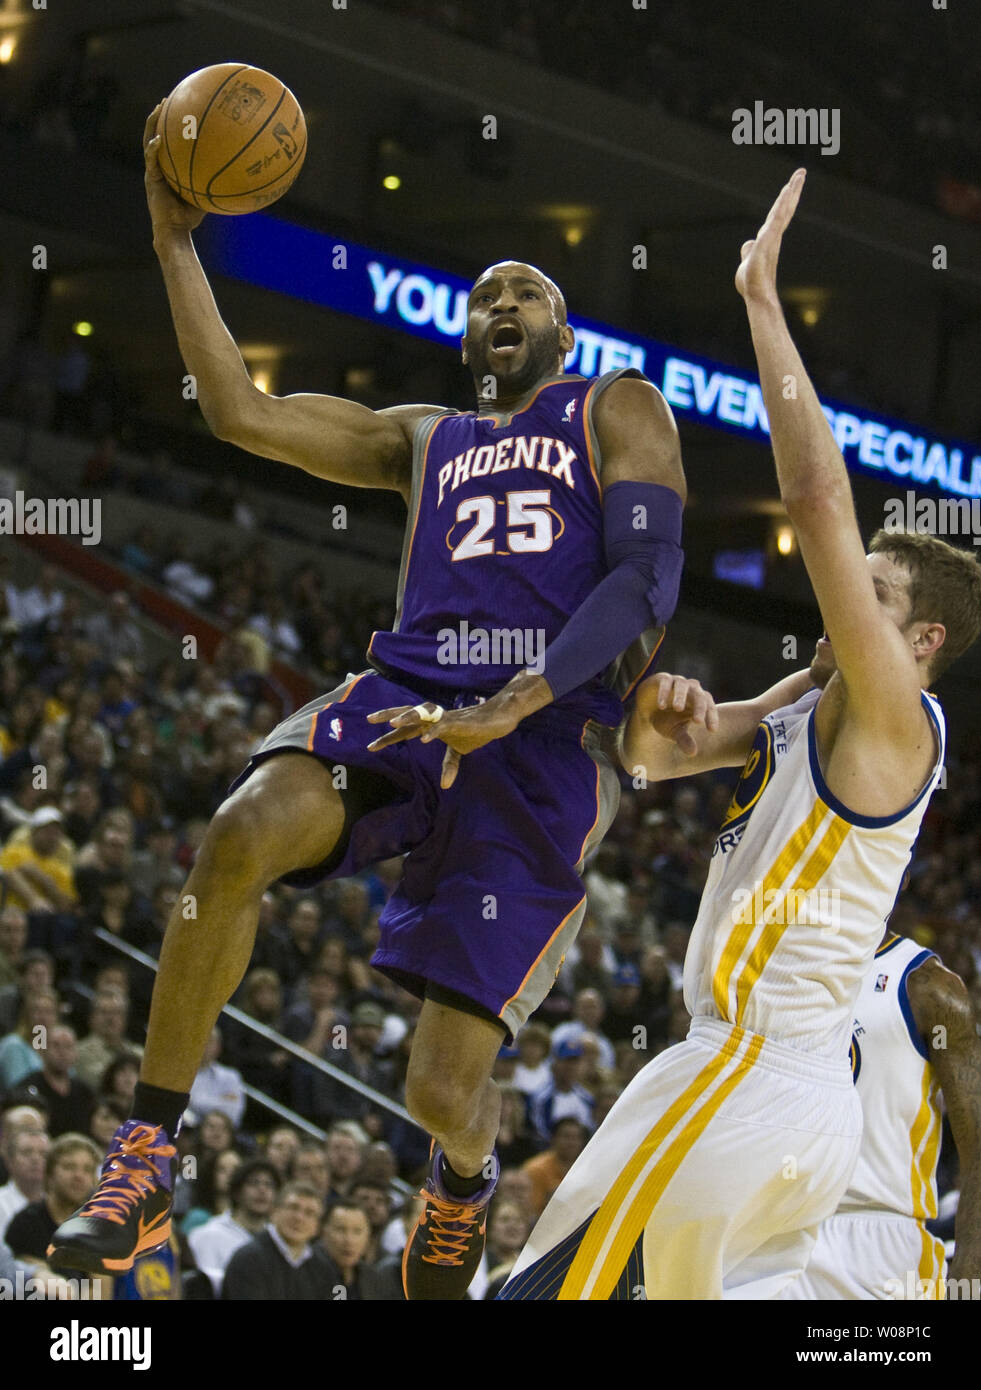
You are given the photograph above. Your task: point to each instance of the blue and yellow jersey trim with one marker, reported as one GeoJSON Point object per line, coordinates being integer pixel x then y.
{"type": "Point", "coordinates": [839, 808]}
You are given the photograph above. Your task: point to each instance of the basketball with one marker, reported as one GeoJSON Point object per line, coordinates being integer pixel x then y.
{"type": "Point", "coordinates": [233, 138]}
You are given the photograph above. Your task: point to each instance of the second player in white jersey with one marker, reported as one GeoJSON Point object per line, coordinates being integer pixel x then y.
{"type": "Point", "coordinates": [904, 1048]}
{"type": "Point", "coordinates": [797, 891]}
{"type": "Point", "coordinates": [899, 1090]}
{"type": "Point", "coordinates": [757, 1107]}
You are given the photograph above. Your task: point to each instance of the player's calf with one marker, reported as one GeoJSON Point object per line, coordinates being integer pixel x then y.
{"type": "Point", "coordinates": [450, 1092]}
{"type": "Point", "coordinates": [287, 816]}
{"type": "Point", "coordinates": [463, 1121]}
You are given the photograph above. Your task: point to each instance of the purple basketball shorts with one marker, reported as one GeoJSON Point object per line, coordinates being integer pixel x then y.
{"type": "Point", "coordinates": [490, 896]}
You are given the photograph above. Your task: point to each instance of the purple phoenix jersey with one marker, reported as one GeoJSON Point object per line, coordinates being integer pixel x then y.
{"type": "Point", "coordinates": [504, 542]}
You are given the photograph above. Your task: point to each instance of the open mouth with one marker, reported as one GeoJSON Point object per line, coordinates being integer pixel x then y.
{"type": "Point", "coordinates": [506, 338]}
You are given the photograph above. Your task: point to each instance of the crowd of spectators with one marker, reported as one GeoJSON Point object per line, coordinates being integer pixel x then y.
{"type": "Point", "coordinates": [313, 624]}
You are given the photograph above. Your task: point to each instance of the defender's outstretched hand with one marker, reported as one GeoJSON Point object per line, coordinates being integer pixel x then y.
{"type": "Point", "coordinates": [167, 211]}
{"type": "Point", "coordinates": [756, 277]}
{"type": "Point", "coordinates": [672, 704]}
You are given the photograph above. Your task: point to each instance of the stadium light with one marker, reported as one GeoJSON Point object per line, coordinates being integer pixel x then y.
{"type": "Point", "coordinates": [785, 540]}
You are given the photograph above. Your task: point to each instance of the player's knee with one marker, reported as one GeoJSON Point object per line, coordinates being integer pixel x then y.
{"type": "Point", "coordinates": [237, 843]}
{"type": "Point", "coordinates": [437, 1103]}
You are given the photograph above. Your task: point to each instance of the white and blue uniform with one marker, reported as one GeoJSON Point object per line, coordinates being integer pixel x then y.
{"type": "Point", "coordinates": [723, 1155]}
{"type": "Point", "coordinates": [876, 1245]}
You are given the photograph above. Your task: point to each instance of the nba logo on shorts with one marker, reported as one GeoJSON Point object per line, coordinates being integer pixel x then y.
{"type": "Point", "coordinates": [336, 725]}
{"type": "Point", "coordinates": [880, 983]}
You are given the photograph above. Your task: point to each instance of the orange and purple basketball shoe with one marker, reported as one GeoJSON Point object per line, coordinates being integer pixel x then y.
{"type": "Point", "coordinates": [129, 1212]}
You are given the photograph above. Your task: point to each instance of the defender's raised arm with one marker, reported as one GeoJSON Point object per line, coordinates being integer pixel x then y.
{"type": "Point", "coordinates": [881, 677]}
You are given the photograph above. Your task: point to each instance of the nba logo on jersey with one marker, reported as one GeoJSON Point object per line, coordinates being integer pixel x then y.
{"type": "Point", "coordinates": [880, 983]}
{"type": "Point", "coordinates": [336, 725]}
{"type": "Point", "coordinates": [570, 410]}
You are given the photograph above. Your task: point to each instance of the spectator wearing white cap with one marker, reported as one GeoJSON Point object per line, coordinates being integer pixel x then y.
{"type": "Point", "coordinates": [39, 869]}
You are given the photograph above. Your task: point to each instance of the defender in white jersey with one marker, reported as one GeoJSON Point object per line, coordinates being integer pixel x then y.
{"type": "Point", "coordinates": [913, 1035]}
{"type": "Point", "coordinates": [725, 1153]}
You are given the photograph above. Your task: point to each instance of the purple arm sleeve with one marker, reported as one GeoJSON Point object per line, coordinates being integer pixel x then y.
{"type": "Point", "coordinates": [642, 534]}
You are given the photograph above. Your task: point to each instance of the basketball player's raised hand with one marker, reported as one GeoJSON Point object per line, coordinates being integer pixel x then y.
{"type": "Point", "coordinates": [167, 211]}
{"type": "Point", "coordinates": [672, 704]}
{"type": "Point", "coordinates": [756, 277]}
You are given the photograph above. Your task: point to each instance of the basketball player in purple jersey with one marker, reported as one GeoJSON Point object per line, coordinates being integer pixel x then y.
{"type": "Point", "coordinates": [543, 542]}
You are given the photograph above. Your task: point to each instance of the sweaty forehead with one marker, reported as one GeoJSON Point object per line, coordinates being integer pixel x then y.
{"type": "Point", "coordinates": [507, 269]}
{"type": "Point", "coordinates": [521, 270]}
